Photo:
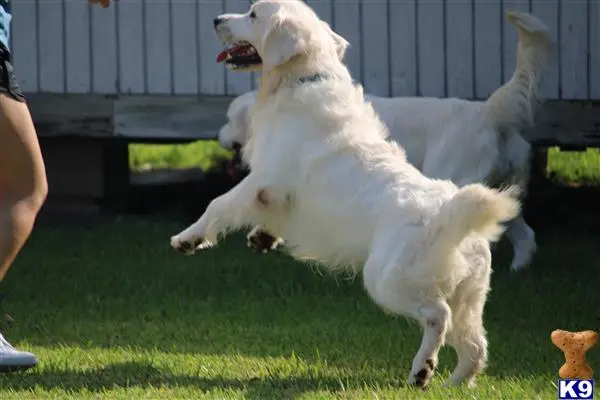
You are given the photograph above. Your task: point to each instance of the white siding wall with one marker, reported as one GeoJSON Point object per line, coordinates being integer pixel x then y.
{"type": "Point", "coordinates": [461, 48]}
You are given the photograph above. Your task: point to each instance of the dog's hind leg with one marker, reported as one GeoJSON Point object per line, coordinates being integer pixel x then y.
{"type": "Point", "coordinates": [522, 238]}
{"type": "Point", "coordinates": [471, 347]}
{"type": "Point", "coordinates": [467, 334]}
{"type": "Point", "coordinates": [389, 291]}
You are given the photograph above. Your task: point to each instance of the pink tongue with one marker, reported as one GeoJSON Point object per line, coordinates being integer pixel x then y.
{"type": "Point", "coordinates": [232, 51]}
{"type": "Point", "coordinates": [222, 56]}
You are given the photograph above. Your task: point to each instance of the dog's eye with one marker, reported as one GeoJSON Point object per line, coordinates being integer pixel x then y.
{"type": "Point", "coordinates": [252, 14]}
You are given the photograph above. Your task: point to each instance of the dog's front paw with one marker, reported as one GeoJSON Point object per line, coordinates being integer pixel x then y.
{"type": "Point", "coordinates": [260, 240]}
{"type": "Point", "coordinates": [187, 247]}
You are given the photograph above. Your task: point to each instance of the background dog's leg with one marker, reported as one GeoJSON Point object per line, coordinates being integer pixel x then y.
{"type": "Point", "coordinates": [229, 211]}
{"type": "Point", "coordinates": [522, 238]}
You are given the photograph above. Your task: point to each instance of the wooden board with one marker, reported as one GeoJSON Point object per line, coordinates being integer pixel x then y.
{"type": "Point", "coordinates": [184, 44]}
{"type": "Point", "coordinates": [375, 56]}
{"type": "Point", "coordinates": [158, 177]}
{"type": "Point", "coordinates": [403, 46]}
{"type": "Point", "coordinates": [431, 54]}
{"type": "Point", "coordinates": [157, 33]}
{"type": "Point", "coordinates": [594, 32]}
{"type": "Point", "coordinates": [487, 47]}
{"type": "Point", "coordinates": [50, 23]}
{"type": "Point", "coordinates": [132, 118]}
{"type": "Point", "coordinates": [77, 47]}
{"type": "Point", "coordinates": [574, 50]}
{"type": "Point", "coordinates": [169, 119]}
{"type": "Point", "coordinates": [104, 50]}
{"type": "Point", "coordinates": [74, 115]}
{"type": "Point", "coordinates": [165, 119]}
{"type": "Point", "coordinates": [459, 49]}
{"type": "Point", "coordinates": [24, 44]}
{"type": "Point", "coordinates": [132, 64]}
{"type": "Point", "coordinates": [347, 22]}
{"type": "Point", "coordinates": [568, 124]}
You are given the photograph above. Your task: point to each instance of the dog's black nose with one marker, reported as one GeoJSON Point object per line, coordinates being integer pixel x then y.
{"type": "Point", "coordinates": [217, 21]}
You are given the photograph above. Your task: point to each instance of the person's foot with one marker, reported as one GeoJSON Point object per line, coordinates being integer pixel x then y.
{"type": "Point", "coordinates": [12, 359]}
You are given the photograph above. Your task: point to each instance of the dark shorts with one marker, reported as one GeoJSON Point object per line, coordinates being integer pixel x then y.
{"type": "Point", "coordinates": [8, 81]}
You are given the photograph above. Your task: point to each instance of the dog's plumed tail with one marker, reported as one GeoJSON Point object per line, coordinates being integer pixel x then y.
{"type": "Point", "coordinates": [513, 105]}
{"type": "Point", "coordinates": [474, 208]}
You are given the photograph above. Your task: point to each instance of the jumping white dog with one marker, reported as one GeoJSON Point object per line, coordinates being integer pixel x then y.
{"type": "Point", "coordinates": [323, 176]}
{"type": "Point", "coordinates": [464, 141]}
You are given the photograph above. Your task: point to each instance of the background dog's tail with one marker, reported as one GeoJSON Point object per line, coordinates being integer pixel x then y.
{"type": "Point", "coordinates": [474, 208]}
{"type": "Point", "coordinates": [513, 105]}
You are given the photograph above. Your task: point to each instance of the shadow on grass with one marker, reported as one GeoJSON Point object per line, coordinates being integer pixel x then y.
{"type": "Point", "coordinates": [145, 375]}
{"type": "Point", "coordinates": [554, 206]}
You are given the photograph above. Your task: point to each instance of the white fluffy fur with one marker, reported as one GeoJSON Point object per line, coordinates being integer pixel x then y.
{"type": "Point", "coordinates": [323, 176]}
{"type": "Point", "coordinates": [464, 141]}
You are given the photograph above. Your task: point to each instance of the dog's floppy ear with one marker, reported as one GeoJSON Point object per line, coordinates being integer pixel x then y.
{"type": "Point", "coordinates": [282, 42]}
{"type": "Point", "coordinates": [341, 44]}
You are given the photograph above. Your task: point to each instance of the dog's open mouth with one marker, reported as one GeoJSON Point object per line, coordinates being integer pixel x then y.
{"type": "Point", "coordinates": [239, 56]}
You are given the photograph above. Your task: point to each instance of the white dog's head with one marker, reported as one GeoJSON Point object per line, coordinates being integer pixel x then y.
{"type": "Point", "coordinates": [235, 132]}
{"type": "Point", "coordinates": [273, 32]}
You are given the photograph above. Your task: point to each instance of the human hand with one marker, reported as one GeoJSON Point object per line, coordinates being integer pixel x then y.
{"type": "Point", "coordinates": [104, 3]}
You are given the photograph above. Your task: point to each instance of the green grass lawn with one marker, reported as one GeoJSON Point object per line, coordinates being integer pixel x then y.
{"type": "Point", "coordinates": [112, 312]}
{"type": "Point", "coordinates": [575, 167]}
{"type": "Point", "coordinates": [197, 154]}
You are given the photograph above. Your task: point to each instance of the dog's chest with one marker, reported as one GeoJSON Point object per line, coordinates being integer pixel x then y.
{"type": "Point", "coordinates": [279, 148]}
